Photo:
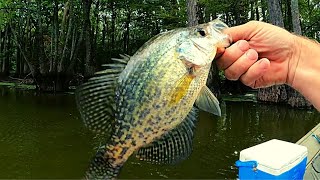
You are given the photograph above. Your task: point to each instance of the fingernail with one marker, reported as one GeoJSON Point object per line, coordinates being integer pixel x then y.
{"type": "Point", "coordinates": [252, 55]}
{"type": "Point", "coordinates": [243, 45]}
{"type": "Point", "coordinates": [264, 63]}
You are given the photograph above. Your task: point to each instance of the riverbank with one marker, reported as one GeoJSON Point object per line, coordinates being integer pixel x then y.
{"type": "Point", "coordinates": [18, 85]}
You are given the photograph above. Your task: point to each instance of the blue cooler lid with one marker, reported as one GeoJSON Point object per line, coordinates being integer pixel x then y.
{"type": "Point", "coordinates": [275, 156]}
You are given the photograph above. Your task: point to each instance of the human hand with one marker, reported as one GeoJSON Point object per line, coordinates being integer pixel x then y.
{"type": "Point", "coordinates": [262, 55]}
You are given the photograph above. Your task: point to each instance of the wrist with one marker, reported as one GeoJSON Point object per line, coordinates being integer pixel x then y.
{"type": "Point", "coordinates": [293, 59]}
{"type": "Point", "coordinates": [305, 69]}
{"type": "Point", "coordinates": [304, 62]}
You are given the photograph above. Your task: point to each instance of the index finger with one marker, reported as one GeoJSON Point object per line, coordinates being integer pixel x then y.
{"type": "Point", "coordinates": [242, 32]}
{"type": "Point", "coordinates": [232, 53]}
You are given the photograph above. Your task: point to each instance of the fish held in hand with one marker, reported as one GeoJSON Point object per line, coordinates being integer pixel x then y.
{"type": "Point", "coordinates": [145, 103]}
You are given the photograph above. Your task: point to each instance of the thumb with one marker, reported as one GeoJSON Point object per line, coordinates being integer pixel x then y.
{"type": "Point", "coordinates": [243, 32]}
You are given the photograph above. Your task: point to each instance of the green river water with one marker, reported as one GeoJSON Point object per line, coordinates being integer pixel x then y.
{"type": "Point", "coordinates": [42, 136]}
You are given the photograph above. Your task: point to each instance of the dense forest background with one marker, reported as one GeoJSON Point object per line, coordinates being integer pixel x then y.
{"type": "Point", "coordinates": [58, 43]}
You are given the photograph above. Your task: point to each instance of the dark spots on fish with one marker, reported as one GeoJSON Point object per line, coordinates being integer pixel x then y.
{"type": "Point", "coordinates": [131, 108]}
{"type": "Point", "coordinates": [151, 122]}
{"type": "Point", "coordinates": [125, 126]}
{"type": "Point", "coordinates": [148, 129]}
{"type": "Point", "coordinates": [155, 132]}
{"type": "Point", "coordinates": [124, 151]}
{"type": "Point", "coordinates": [141, 135]}
{"type": "Point", "coordinates": [120, 133]}
{"type": "Point", "coordinates": [156, 106]}
{"type": "Point", "coordinates": [172, 110]}
{"type": "Point", "coordinates": [129, 136]}
{"type": "Point", "coordinates": [139, 123]}
{"type": "Point", "coordinates": [133, 142]}
{"type": "Point", "coordinates": [122, 142]}
{"type": "Point", "coordinates": [172, 120]}
{"type": "Point", "coordinates": [158, 119]}
{"type": "Point", "coordinates": [158, 92]}
{"type": "Point", "coordinates": [144, 113]}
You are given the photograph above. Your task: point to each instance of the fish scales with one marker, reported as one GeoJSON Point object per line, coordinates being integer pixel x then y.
{"type": "Point", "coordinates": [153, 96]}
{"type": "Point", "coordinates": [148, 87]}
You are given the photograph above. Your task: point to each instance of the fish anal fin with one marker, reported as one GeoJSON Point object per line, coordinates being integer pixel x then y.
{"type": "Point", "coordinates": [102, 167]}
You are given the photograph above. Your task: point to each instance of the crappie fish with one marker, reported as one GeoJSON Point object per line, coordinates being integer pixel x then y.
{"type": "Point", "coordinates": [145, 102]}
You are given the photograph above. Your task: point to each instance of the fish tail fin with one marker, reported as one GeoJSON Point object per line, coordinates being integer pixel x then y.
{"type": "Point", "coordinates": [103, 167]}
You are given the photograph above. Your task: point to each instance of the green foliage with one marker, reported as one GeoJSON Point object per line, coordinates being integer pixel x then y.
{"type": "Point", "coordinates": [5, 12]}
{"type": "Point", "coordinates": [116, 27]}
{"type": "Point", "coordinates": [310, 18]}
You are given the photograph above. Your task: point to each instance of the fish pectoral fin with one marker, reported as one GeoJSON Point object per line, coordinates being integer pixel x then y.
{"type": "Point", "coordinates": [181, 89]}
{"type": "Point", "coordinates": [206, 101]}
{"type": "Point", "coordinates": [95, 98]}
{"type": "Point", "coordinates": [174, 146]}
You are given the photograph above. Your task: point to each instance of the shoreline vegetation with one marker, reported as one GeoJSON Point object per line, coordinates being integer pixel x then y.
{"type": "Point", "coordinates": [250, 96]}
{"type": "Point", "coordinates": [247, 96]}
{"type": "Point", "coordinates": [55, 45]}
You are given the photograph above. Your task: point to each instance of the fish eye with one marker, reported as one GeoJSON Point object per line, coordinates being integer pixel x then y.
{"type": "Point", "coordinates": [201, 32]}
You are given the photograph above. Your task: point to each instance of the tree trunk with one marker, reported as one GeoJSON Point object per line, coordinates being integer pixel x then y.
{"type": "Point", "coordinates": [277, 94]}
{"type": "Point", "coordinates": [252, 10]}
{"type": "Point", "coordinates": [67, 36]}
{"type": "Point", "coordinates": [75, 44]}
{"type": "Point", "coordinates": [1, 49]}
{"type": "Point", "coordinates": [88, 68]}
{"type": "Point", "coordinates": [257, 10]}
{"type": "Point", "coordinates": [275, 13]}
{"type": "Point", "coordinates": [287, 16]}
{"type": "Point", "coordinates": [55, 39]}
{"type": "Point", "coordinates": [113, 23]}
{"type": "Point", "coordinates": [6, 54]}
{"type": "Point", "coordinates": [40, 44]}
{"type": "Point", "coordinates": [192, 12]}
{"type": "Point", "coordinates": [127, 32]}
{"type": "Point", "coordinates": [104, 32]}
{"type": "Point", "coordinates": [18, 61]}
{"type": "Point", "coordinates": [295, 17]}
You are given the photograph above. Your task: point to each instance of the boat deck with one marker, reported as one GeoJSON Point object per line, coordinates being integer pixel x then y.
{"type": "Point", "coordinates": [313, 150]}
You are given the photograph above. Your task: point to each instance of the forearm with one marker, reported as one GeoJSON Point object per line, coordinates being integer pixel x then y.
{"type": "Point", "coordinates": [306, 77]}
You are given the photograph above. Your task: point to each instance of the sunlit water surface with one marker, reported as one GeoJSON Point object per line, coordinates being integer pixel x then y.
{"type": "Point", "coordinates": [42, 136]}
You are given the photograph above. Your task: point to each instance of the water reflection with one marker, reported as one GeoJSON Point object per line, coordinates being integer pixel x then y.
{"type": "Point", "coordinates": [42, 136]}
{"type": "Point", "coordinates": [218, 141]}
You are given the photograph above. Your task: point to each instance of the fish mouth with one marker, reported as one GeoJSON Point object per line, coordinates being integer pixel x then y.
{"type": "Point", "coordinates": [228, 41]}
{"type": "Point", "coordinates": [225, 40]}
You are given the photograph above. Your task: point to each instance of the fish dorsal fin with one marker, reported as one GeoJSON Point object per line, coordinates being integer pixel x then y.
{"type": "Point", "coordinates": [174, 146]}
{"type": "Point", "coordinates": [95, 98]}
{"type": "Point", "coordinates": [206, 101]}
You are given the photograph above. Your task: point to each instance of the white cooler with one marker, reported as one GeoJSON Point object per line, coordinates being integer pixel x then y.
{"type": "Point", "coordinates": [274, 159]}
